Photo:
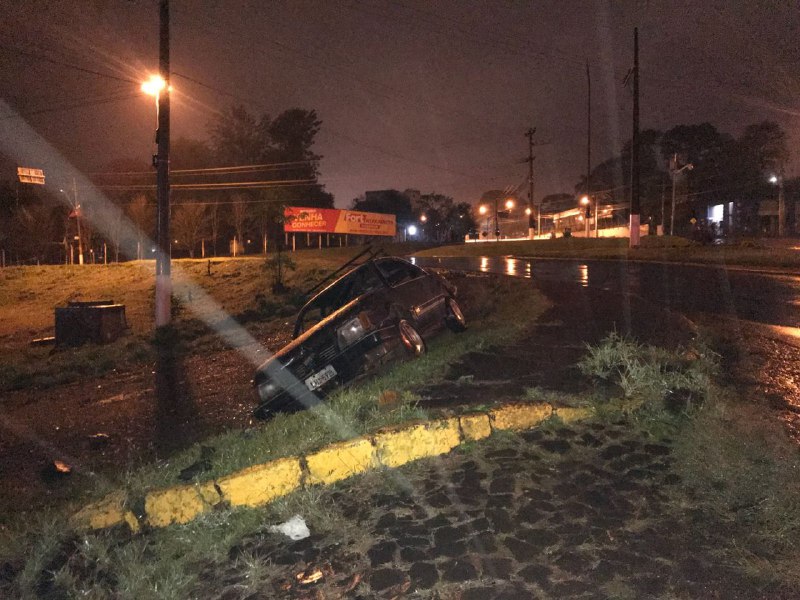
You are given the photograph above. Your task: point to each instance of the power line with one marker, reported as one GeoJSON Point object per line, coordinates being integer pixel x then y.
{"type": "Point", "coordinates": [236, 169]}
{"type": "Point", "coordinates": [213, 202]}
{"type": "Point", "coordinates": [42, 57]}
{"type": "Point", "coordinates": [219, 186]}
{"type": "Point", "coordinates": [58, 108]}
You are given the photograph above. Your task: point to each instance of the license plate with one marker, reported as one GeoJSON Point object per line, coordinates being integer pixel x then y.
{"type": "Point", "coordinates": [320, 378]}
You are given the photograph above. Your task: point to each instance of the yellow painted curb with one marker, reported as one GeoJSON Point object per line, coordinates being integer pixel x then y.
{"type": "Point", "coordinates": [259, 484]}
{"type": "Point", "coordinates": [340, 461]}
{"type": "Point", "coordinates": [108, 512]}
{"type": "Point", "coordinates": [397, 447]}
{"type": "Point", "coordinates": [475, 427]}
{"type": "Point", "coordinates": [570, 414]}
{"type": "Point", "coordinates": [179, 504]}
{"type": "Point", "coordinates": [520, 416]}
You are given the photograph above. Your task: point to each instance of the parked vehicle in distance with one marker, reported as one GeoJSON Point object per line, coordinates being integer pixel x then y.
{"type": "Point", "coordinates": [380, 311]}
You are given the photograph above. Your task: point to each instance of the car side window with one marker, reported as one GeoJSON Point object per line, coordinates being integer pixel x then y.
{"type": "Point", "coordinates": [397, 271]}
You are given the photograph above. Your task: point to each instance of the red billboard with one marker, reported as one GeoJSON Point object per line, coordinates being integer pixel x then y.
{"type": "Point", "coordinates": [333, 220]}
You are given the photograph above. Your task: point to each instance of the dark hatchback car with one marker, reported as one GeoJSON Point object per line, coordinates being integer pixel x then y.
{"type": "Point", "coordinates": [380, 311]}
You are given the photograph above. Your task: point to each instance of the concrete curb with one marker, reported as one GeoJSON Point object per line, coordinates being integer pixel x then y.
{"type": "Point", "coordinates": [260, 484]}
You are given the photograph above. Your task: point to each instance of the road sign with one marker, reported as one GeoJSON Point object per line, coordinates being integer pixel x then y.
{"type": "Point", "coordinates": [28, 175]}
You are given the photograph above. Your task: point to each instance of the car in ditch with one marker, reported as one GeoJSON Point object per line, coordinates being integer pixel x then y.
{"type": "Point", "coordinates": [380, 311]}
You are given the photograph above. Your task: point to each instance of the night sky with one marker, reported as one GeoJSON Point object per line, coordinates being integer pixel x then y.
{"type": "Point", "coordinates": [428, 95]}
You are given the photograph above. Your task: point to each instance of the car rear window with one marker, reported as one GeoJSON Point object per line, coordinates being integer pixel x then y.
{"type": "Point", "coordinates": [398, 271]}
{"type": "Point", "coordinates": [356, 283]}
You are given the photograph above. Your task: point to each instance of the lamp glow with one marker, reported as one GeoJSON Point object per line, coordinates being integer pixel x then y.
{"type": "Point", "coordinates": [154, 85]}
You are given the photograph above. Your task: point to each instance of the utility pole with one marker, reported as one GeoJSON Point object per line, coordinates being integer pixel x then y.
{"type": "Point", "coordinates": [635, 209]}
{"type": "Point", "coordinates": [163, 278]}
{"type": "Point", "coordinates": [529, 135]}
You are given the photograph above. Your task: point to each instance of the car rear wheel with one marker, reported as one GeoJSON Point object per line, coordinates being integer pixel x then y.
{"type": "Point", "coordinates": [411, 338]}
{"type": "Point", "coordinates": [455, 318]}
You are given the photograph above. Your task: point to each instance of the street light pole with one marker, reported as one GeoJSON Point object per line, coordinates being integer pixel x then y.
{"type": "Point", "coordinates": [78, 220]}
{"type": "Point", "coordinates": [163, 277]}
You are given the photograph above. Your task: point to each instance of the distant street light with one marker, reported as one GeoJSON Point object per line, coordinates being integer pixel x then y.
{"type": "Point", "coordinates": [483, 209]}
{"type": "Point", "coordinates": [423, 218]}
{"type": "Point", "coordinates": [586, 203]}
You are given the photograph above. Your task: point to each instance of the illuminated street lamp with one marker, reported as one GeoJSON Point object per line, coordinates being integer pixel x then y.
{"type": "Point", "coordinates": [154, 85]}
{"type": "Point", "coordinates": [423, 218]}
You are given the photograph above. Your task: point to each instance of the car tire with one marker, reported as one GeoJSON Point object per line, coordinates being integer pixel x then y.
{"type": "Point", "coordinates": [455, 318]}
{"type": "Point", "coordinates": [411, 338]}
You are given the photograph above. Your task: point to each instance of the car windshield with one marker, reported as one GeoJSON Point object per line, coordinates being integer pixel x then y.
{"type": "Point", "coordinates": [358, 282]}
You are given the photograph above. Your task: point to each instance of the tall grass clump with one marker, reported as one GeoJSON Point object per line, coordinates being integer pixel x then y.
{"type": "Point", "coordinates": [678, 381]}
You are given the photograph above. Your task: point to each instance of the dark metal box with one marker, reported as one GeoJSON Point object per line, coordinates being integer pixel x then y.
{"type": "Point", "coordinates": [99, 321]}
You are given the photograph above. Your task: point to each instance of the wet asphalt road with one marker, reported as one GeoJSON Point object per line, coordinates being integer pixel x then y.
{"type": "Point", "coordinates": [754, 319]}
{"type": "Point", "coordinates": [742, 295]}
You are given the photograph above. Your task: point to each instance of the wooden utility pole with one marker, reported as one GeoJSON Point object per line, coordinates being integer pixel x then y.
{"type": "Point", "coordinates": [635, 218]}
{"type": "Point", "coordinates": [529, 135]}
{"type": "Point", "coordinates": [163, 279]}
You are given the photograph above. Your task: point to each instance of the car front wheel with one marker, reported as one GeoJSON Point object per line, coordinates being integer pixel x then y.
{"type": "Point", "coordinates": [455, 318]}
{"type": "Point", "coordinates": [411, 338]}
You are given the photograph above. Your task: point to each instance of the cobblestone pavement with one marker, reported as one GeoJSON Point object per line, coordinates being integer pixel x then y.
{"type": "Point", "coordinates": [586, 511]}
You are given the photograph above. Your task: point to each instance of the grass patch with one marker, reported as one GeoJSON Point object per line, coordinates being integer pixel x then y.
{"type": "Point", "coordinates": [662, 380]}
{"type": "Point", "coordinates": [737, 458]}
